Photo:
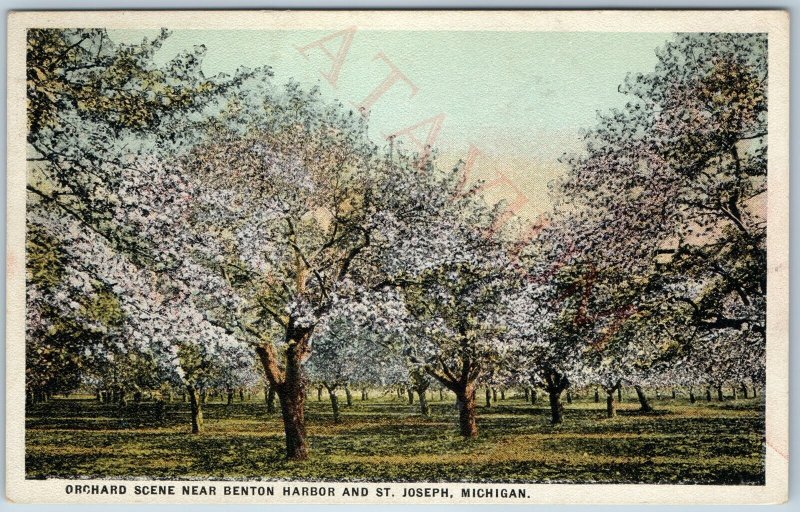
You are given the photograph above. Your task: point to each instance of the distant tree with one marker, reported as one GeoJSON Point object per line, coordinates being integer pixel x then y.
{"type": "Point", "coordinates": [451, 269]}
{"type": "Point", "coordinates": [668, 198]}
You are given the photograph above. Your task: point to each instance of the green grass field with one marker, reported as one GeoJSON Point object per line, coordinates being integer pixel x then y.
{"type": "Point", "coordinates": [384, 439]}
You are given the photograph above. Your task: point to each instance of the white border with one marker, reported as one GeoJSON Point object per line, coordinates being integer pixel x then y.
{"type": "Point", "coordinates": [775, 23]}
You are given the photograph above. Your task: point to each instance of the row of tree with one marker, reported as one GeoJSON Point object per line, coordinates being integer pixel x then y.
{"type": "Point", "coordinates": [209, 232]}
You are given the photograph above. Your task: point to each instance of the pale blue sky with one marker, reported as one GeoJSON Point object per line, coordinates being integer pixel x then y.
{"type": "Point", "coordinates": [520, 97]}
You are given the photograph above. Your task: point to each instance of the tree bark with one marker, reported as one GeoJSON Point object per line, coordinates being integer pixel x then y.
{"type": "Point", "coordinates": [619, 394]}
{"type": "Point", "coordinates": [488, 397]}
{"type": "Point", "coordinates": [733, 389]}
{"type": "Point", "coordinates": [424, 408]}
{"type": "Point", "coordinates": [596, 396]}
{"type": "Point", "coordinates": [270, 397]}
{"type": "Point", "coordinates": [230, 396]}
{"type": "Point", "coordinates": [744, 390]}
{"type": "Point", "coordinates": [494, 394]}
{"type": "Point", "coordinates": [466, 412]}
{"type": "Point", "coordinates": [720, 396]}
{"type": "Point", "coordinates": [556, 382]}
{"type": "Point", "coordinates": [708, 394]}
{"type": "Point", "coordinates": [348, 395]}
{"type": "Point", "coordinates": [334, 402]}
{"type": "Point", "coordinates": [294, 427]}
{"type": "Point", "coordinates": [290, 387]}
{"type": "Point", "coordinates": [534, 396]}
{"type": "Point", "coordinates": [410, 392]}
{"type": "Point", "coordinates": [196, 407]}
{"type": "Point", "coordinates": [692, 398]}
{"type": "Point", "coordinates": [556, 408]}
{"type": "Point", "coordinates": [611, 409]}
{"type": "Point", "coordinates": [527, 394]}
{"type": "Point", "coordinates": [644, 404]}
{"type": "Point", "coordinates": [420, 384]}
{"type": "Point", "coordinates": [569, 397]}
{"type": "Point", "coordinates": [319, 393]}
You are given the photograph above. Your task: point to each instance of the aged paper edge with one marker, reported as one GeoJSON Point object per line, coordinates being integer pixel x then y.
{"type": "Point", "coordinates": [773, 22]}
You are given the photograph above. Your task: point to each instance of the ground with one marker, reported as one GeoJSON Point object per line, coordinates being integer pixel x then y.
{"type": "Point", "coordinates": [384, 439]}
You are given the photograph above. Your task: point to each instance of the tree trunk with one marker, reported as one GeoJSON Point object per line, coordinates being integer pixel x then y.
{"type": "Point", "coordinates": [674, 394]}
{"type": "Point", "coordinates": [348, 395]}
{"type": "Point", "coordinates": [534, 396]}
{"type": "Point", "coordinates": [744, 390]}
{"type": "Point", "coordinates": [196, 408]}
{"type": "Point", "coordinates": [733, 389]}
{"type": "Point", "coordinates": [334, 402]}
{"type": "Point", "coordinates": [230, 396]}
{"type": "Point", "coordinates": [290, 387]}
{"type": "Point", "coordinates": [611, 409]}
{"type": "Point", "coordinates": [424, 408]}
{"type": "Point", "coordinates": [410, 392]}
{"type": "Point", "coordinates": [270, 397]}
{"type": "Point", "coordinates": [241, 395]}
{"type": "Point", "coordinates": [466, 412]}
{"type": "Point", "coordinates": [708, 394]}
{"type": "Point", "coordinates": [319, 393]}
{"type": "Point", "coordinates": [291, 398]}
{"type": "Point", "coordinates": [596, 396]}
{"type": "Point", "coordinates": [527, 394]}
{"type": "Point", "coordinates": [203, 395]}
{"type": "Point", "coordinates": [363, 394]}
{"type": "Point", "coordinates": [441, 395]}
{"type": "Point", "coordinates": [420, 384]}
{"type": "Point", "coordinates": [692, 398]}
{"type": "Point", "coordinates": [619, 394]}
{"type": "Point", "coordinates": [488, 397]}
{"type": "Point", "coordinates": [502, 394]}
{"type": "Point", "coordinates": [644, 404]}
{"type": "Point", "coordinates": [556, 408]}
{"type": "Point", "coordinates": [569, 397]}
{"type": "Point", "coordinates": [720, 396]}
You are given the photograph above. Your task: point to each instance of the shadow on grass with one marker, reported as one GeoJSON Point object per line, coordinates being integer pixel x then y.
{"type": "Point", "coordinates": [390, 441]}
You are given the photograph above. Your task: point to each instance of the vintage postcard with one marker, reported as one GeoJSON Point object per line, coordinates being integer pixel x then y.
{"type": "Point", "coordinates": [407, 257]}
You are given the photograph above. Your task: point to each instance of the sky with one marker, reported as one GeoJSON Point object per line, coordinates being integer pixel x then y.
{"type": "Point", "coordinates": [518, 99]}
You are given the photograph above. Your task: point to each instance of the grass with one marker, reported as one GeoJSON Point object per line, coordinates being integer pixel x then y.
{"type": "Point", "coordinates": [385, 439]}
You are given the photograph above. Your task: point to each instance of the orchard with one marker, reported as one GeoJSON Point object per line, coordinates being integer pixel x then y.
{"type": "Point", "coordinates": [232, 267]}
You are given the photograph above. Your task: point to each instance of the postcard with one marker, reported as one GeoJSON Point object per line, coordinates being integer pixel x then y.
{"type": "Point", "coordinates": [398, 257]}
